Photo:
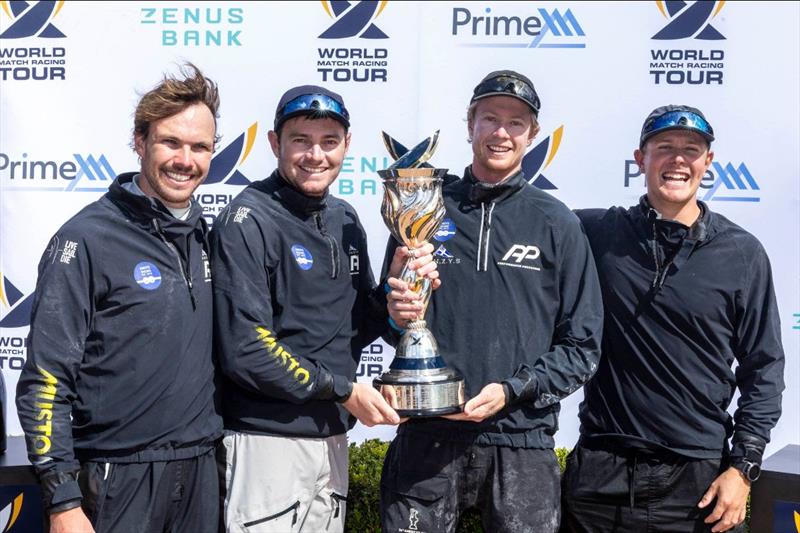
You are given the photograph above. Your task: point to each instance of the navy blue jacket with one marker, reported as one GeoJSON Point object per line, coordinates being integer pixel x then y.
{"type": "Point", "coordinates": [295, 303]}
{"type": "Point", "coordinates": [673, 331]}
{"type": "Point", "coordinates": [519, 304]}
{"type": "Point", "coordinates": [120, 341]}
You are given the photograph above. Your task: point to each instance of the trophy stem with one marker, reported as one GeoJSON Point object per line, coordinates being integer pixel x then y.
{"type": "Point", "coordinates": [418, 284]}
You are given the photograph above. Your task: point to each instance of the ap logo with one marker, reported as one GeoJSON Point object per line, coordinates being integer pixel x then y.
{"type": "Point", "coordinates": [31, 20]}
{"type": "Point", "coordinates": [539, 158]}
{"type": "Point", "coordinates": [689, 19]}
{"type": "Point", "coordinates": [19, 306]}
{"type": "Point", "coordinates": [353, 19]}
{"type": "Point", "coordinates": [225, 164]}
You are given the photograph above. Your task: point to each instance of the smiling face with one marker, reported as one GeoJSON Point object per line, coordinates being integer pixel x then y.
{"type": "Point", "coordinates": [501, 129]}
{"type": "Point", "coordinates": [176, 155]}
{"type": "Point", "coordinates": [310, 152]}
{"type": "Point", "coordinates": [674, 162]}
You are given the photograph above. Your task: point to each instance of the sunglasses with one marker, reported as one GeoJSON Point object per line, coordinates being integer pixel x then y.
{"type": "Point", "coordinates": [678, 119]}
{"type": "Point", "coordinates": [509, 85]}
{"type": "Point", "coordinates": [312, 102]}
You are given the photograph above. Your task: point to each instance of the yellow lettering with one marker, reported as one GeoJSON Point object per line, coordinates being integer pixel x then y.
{"type": "Point", "coordinates": [45, 413]}
{"type": "Point", "coordinates": [41, 445]}
{"type": "Point", "coordinates": [46, 428]}
{"type": "Point", "coordinates": [301, 372]}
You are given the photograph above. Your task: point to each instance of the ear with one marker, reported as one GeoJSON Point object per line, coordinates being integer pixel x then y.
{"type": "Point", "coordinates": [534, 131]}
{"type": "Point", "coordinates": [638, 155]}
{"type": "Point", "coordinates": [347, 141]}
{"type": "Point", "coordinates": [709, 158]}
{"type": "Point", "coordinates": [138, 145]}
{"type": "Point", "coordinates": [274, 143]}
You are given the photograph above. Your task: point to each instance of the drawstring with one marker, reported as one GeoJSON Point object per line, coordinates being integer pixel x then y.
{"type": "Point", "coordinates": [632, 478]}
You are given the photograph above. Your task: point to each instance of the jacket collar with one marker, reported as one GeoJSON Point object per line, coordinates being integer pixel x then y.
{"type": "Point", "coordinates": [672, 230]}
{"type": "Point", "coordinates": [279, 187]}
{"type": "Point", "coordinates": [480, 192]}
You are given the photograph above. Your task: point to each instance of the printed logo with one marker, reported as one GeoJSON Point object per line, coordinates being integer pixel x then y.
{"type": "Point", "coordinates": [721, 182]}
{"type": "Point", "coordinates": [31, 63]}
{"type": "Point", "coordinates": [353, 19]}
{"type": "Point", "coordinates": [446, 231]}
{"type": "Point", "coordinates": [302, 256]}
{"type": "Point", "coordinates": [10, 513]}
{"type": "Point", "coordinates": [349, 64]}
{"type": "Point", "coordinates": [796, 321]}
{"type": "Point", "coordinates": [372, 361]}
{"type": "Point", "coordinates": [693, 66]}
{"type": "Point", "coordinates": [31, 19]}
{"type": "Point", "coordinates": [225, 170]}
{"type": "Point", "coordinates": [18, 305]}
{"type": "Point", "coordinates": [785, 517]}
{"type": "Point", "coordinates": [441, 251]}
{"type": "Point", "coordinates": [83, 174]}
{"type": "Point", "coordinates": [241, 214]}
{"type": "Point", "coordinates": [354, 260]}
{"type": "Point", "coordinates": [442, 257]}
{"type": "Point", "coordinates": [206, 27]}
{"type": "Point", "coordinates": [68, 252]}
{"type": "Point", "coordinates": [413, 518]}
{"type": "Point", "coordinates": [147, 275]}
{"type": "Point", "coordinates": [550, 29]}
{"type": "Point", "coordinates": [520, 253]}
{"type": "Point", "coordinates": [206, 267]}
{"type": "Point", "coordinates": [358, 176]}
{"type": "Point", "coordinates": [689, 20]}
{"type": "Point", "coordinates": [540, 158]}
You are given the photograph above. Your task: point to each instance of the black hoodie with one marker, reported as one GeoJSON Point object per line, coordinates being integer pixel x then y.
{"type": "Point", "coordinates": [681, 305]}
{"type": "Point", "coordinates": [119, 364]}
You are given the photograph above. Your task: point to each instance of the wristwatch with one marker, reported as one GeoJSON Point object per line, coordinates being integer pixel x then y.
{"type": "Point", "coordinates": [749, 469]}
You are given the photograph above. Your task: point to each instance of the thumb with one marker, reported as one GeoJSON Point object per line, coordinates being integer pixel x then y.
{"type": "Point", "coordinates": [709, 496]}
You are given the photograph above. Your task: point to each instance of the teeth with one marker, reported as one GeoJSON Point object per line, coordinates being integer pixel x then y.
{"type": "Point", "coordinates": [312, 170]}
{"type": "Point", "coordinates": [498, 149]}
{"type": "Point", "coordinates": [675, 176]}
{"type": "Point", "coordinates": [178, 177]}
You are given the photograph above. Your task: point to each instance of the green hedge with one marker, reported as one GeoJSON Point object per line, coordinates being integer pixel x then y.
{"type": "Point", "coordinates": [363, 507]}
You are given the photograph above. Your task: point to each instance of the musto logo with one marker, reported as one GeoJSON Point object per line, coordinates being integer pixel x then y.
{"type": "Point", "coordinates": [721, 183]}
{"type": "Point", "coordinates": [348, 64]}
{"type": "Point", "coordinates": [34, 20]}
{"type": "Point", "coordinates": [215, 192]}
{"type": "Point", "coordinates": [677, 66]}
{"type": "Point", "coordinates": [540, 158]}
{"type": "Point", "coordinates": [84, 173]}
{"type": "Point", "coordinates": [544, 29]}
{"type": "Point", "coordinates": [16, 309]}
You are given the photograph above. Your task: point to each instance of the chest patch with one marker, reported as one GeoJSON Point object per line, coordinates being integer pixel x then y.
{"type": "Point", "coordinates": [303, 257]}
{"type": "Point", "coordinates": [147, 275]}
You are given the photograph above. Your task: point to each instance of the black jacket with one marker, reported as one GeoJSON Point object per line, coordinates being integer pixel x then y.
{"type": "Point", "coordinates": [295, 303]}
{"type": "Point", "coordinates": [120, 340]}
{"type": "Point", "coordinates": [519, 304]}
{"type": "Point", "coordinates": [672, 333]}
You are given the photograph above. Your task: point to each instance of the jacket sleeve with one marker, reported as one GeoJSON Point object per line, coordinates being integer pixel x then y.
{"type": "Point", "coordinates": [371, 301]}
{"type": "Point", "coordinates": [575, 350]}
{"type": "Point", "coordinates": [62, 312]}
{"type": "Point", "coordinates": [250, 354]}
{"type": "Point", "coordinates": [759, 352]}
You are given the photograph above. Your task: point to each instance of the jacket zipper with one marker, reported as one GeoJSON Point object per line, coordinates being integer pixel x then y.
{"type": "Point", "coordinates": [187, 277]}
{"type": "Point", "coordinates": [294, 507]}
{"type": "Point", "coordinates": [334, 246]}
{"type": "Point", "coordinates": [484, 238]}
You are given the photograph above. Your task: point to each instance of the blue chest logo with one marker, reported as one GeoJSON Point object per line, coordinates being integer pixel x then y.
{"type": "Point", "coordinates": [302, 256]}
{"type": "Point", "coordinates": [446, 231]}
{"type": "Point", "coordinates": [147, 275]}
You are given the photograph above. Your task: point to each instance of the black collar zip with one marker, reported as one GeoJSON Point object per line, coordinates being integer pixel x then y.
{"type": "Point", "coordinates": [485, 237]}
{"type": "Point", "coordinates": [334, 246]}
{"type": "Point", "coordinates": [184, 268]}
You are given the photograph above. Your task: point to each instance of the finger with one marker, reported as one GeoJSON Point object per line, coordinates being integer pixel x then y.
{"type": "Point", "coordinates": [436, 282]}
{"type": "Point", "coordinates": [385, 411]}
{"type": "Point", "coordinates": [708, 497]}
{"type": "Point", "coordinates": [397, 284]}
{"type": "Point", "coordinates": [457, 416]}
{"type": "Point", "coordinates": [426, 248]}
{"type": "Point", "coordinates": [716, 514]}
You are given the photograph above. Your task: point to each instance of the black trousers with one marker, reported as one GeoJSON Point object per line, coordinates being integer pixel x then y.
{"type": "Point", "coordinates": [608, 489]}
{"type": "Point", "coordinates": [160, 497]}
{"type": "Point", "coordinates": [428, 482]}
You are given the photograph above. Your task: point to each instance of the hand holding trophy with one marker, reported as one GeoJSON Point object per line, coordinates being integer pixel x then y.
{"type": "Point", "coordinates": [418, 382]}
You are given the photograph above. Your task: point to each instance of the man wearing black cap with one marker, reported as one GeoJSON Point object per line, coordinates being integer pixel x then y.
{"type": "Point", "coordinates": [295, 303]}
{"type": "Point", "coordinates": [519, 315]}
{"type": "Point", "coordinates": [686, 293]}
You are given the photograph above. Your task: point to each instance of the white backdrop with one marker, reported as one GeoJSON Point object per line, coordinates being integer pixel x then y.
{"type": "Point", "coordinates": [71, 73]}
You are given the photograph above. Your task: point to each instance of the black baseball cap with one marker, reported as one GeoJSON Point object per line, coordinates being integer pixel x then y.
{"type": "Point", "coordinates": [507, 83]}
{"type": "Point", "coordinates": [308, 100]}
{"type": "Point", "coordinates": [676, 117]}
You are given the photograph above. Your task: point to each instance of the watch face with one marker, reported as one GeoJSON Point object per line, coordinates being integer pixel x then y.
{"type": "Point", "coordinates": [752, 471]}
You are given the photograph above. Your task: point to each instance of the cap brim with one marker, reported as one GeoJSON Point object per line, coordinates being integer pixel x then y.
{"type": "Point", "coordinates": [502, 93]}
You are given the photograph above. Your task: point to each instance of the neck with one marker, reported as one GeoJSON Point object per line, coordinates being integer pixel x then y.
{"type": "Point", "coordinates": [686, 213]}
{"type": "Point", "coordinates": [488, 177]}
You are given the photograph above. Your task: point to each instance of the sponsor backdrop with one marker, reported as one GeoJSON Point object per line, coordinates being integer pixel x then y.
{"type": "Point", "coordinates": [71, 73]}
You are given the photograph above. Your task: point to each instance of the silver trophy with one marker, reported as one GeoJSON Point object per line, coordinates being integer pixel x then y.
{"type": "Point", "coordinates": [418, 380]}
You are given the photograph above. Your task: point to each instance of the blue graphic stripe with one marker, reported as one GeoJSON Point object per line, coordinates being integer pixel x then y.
{"type": "Point", "coordinates": [554, 45]}
{"type": "Point", "coordinates": [429, 363]}
{"type": "Point", "coordinates": [736, 199]}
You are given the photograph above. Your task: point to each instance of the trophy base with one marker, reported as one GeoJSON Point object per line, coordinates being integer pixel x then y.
{"type": "Point", "coordinates": [419, 396]}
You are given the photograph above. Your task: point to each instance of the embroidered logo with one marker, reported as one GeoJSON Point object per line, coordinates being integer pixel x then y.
{"type": "Point", "coordinates": [302, 256]}
{"type": "Point", "coordinates": [521, 253]}
{"type": "Point", "coordinates": [442, 257]}
{"type": "Point", "coordinates": [354, 260]}
{"type": "Point", "coordinates": [69, 251]}
{"type": "Point", "coordinates": [147, 275]}
{"type": "Point", "coordinates": [241, 214]}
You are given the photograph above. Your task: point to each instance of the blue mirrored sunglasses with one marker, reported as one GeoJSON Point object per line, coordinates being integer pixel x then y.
{"type": "Point", "coordinates": [679, 119]}
{"type": "Point", "coordinates": [312, 102]}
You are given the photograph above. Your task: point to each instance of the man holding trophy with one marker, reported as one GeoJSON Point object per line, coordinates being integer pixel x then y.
{"type": "Point", "coordinates": [295, 302]}
{"type": "Point", "coordinates": [518, 316]}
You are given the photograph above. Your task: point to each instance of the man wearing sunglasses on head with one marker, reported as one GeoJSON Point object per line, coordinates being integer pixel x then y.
{"type": "Point", "coordinates": [519, 315]}
{"type": "Point", "coordinates": [686, 293]}
{"type": "Point", "coordinates": [295, 303]}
